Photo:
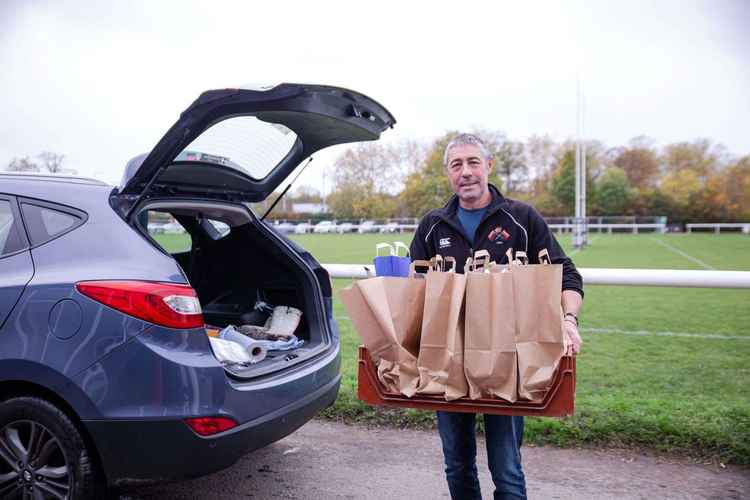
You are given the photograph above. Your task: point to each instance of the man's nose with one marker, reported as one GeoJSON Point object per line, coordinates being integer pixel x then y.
{"type": "Point", "coordinates": [465, 170]}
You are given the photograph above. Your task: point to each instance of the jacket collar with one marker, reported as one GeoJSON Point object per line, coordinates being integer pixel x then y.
{"type": "Point", "coordinates": [450, 209]}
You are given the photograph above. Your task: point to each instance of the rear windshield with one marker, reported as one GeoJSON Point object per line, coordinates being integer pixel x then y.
{"type": "Point", "coordinates": [244, 143]}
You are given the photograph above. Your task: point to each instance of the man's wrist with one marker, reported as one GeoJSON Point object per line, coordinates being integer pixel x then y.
{"type": "Point", "coordinates": [570, 318]}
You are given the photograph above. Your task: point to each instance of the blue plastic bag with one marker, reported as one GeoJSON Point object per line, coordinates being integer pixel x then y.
{"type": "Point", "coordinates": [392, 264]}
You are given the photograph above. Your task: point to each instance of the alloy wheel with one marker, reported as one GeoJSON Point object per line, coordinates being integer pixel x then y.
{"type": "Point", "coordinates": [32, 463]}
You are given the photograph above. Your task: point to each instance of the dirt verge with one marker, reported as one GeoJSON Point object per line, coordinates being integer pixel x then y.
{"type": "Point", "coordinates": [329, 460]}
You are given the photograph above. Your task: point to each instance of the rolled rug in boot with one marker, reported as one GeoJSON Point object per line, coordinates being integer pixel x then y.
{"type": "Point", "coordinates": [256, 350]}
{"type": "Point", "coordinates": [229, 352]}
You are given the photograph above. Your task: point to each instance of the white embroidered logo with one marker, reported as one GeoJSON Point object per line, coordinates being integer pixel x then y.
{"type": "Point", "coordinates": [445, 242]}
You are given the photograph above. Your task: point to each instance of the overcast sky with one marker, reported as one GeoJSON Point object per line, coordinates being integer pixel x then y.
{"type": "Point", "coordinates": [101, 83]}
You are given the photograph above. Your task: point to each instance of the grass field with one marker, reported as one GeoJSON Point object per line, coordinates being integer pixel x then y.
{"type": "Point", "coordinates": [663, 368]}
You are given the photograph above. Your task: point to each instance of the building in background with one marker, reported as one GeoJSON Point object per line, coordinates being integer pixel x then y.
{"type": "Point", "coordinates": [309, 208]}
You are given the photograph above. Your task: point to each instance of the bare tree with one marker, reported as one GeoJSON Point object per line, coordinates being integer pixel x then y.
{"type": "Point", "coordinates": [307, 194]}
{"type": "Point", "coordinates": [540, 151]}
{"type": "Point", "coordinates": [22, 165]}
{"type": "Point", "coordinates": [51, 161]}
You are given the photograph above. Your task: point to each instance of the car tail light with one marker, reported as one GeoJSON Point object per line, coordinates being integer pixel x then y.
{"type": "Point", "coordinates": [165, 304]}
{"type": "Point", "coordinates": [207, 426]}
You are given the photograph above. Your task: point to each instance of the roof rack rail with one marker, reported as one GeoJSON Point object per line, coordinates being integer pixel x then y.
{"type": "Point", "coordinates": [53, 177]}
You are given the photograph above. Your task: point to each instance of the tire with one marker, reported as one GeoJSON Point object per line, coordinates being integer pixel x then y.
{"type": "Point", "coordinates": [42, 454]}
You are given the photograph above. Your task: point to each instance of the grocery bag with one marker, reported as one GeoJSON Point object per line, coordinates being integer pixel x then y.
{"type": "Point", "coordinates": [490, 327]}
{"type": "Point", "coordinates": [441, 349]}
{"type": "Point", "coordinates": [540, 337]}
{"type": "Point", "coordinates": [387, 314]}
{"type": "Point", "coordinates": [392, 264]}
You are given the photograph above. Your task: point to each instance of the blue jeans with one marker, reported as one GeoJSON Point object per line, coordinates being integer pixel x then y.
{"type": "Point", "coordinates": [504, 435]}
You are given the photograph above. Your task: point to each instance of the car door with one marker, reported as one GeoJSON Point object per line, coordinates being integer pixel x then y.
{"type": "Point", "coordinates": [16, 266]}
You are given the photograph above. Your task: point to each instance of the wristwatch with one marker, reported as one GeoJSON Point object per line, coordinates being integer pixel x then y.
{"type": "Point", "coordinates": [575, 318]}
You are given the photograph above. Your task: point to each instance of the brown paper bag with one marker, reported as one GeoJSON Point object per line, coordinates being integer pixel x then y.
{"type": "Point", "coordinates": [540, 336]}
{"type": "Point", "coordinates": [490, 345]}
{"type": "Point", "coordinates": [387, 314]}
{"type": "Point", "coordinates": [441, 349]}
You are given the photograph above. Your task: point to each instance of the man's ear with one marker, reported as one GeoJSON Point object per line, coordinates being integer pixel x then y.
{"type": "Point", "coordinates": [490, 164]}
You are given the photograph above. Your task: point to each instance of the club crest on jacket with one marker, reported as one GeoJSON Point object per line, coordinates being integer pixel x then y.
{"type": "Point", "coordinates": [500, 233]}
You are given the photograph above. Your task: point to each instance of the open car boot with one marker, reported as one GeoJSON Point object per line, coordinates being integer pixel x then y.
{"type": "Point", "coordinates": [238, 272]}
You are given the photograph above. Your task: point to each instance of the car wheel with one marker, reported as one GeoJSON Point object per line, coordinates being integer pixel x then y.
{"type": "Point", "coordinates": [42, 454]}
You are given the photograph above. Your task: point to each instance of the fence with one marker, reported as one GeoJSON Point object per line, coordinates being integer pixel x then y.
{"type": "Point", "coordinates": [634, 228]}
{"type": "Point", "coordinates": [608, 224]}
{"type": "Point", "coordinates": [604, 276]}
{"type": "Point", "coordinates": [718, 226]}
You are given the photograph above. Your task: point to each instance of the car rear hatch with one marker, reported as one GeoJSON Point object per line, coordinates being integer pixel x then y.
{"type": "Point", "coordinates": [240, 144]}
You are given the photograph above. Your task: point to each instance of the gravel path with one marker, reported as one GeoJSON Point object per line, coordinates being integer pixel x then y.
{"type": "Point", "coordinates": [325, 460]}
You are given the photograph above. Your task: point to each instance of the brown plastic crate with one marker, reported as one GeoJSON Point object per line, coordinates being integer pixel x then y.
{"type": "Point", "coordinates": [559, 401]}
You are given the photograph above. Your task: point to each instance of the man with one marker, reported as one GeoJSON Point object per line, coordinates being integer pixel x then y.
{"type": "Point", "coordinates": [479, 217]}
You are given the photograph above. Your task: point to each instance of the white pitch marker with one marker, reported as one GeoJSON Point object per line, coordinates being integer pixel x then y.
{"type": "Point", "coordinates": [683, 254]}
{"type": "Point", "coordinates": [709, 336]}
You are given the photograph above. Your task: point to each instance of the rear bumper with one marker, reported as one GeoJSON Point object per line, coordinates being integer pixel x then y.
{"type": "Point", "coordinates": [137, 451]}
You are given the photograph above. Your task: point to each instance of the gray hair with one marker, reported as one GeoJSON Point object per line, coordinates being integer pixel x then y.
{"type": "Point", "coordinates": [463, 140]}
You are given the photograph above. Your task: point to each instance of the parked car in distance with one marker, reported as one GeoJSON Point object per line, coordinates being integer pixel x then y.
{"type": "Point", "coordinates": [390, 227]}
{"type": "Point", "coordinates": [367, 226]}
{"type": "Point", "coordinates": [284, 227]}
{"type": "Point", "coordinates": [345, 227]}
{"type": "Point", "coordinates": [108, 374]}
{"type": "Point", "coordinates": [324, 226]}
{"type": "Point", "coordinates": [302, 228]}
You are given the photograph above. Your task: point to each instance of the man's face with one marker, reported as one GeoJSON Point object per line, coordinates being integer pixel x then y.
{"type": "Point", "coordinates": [468, 172]}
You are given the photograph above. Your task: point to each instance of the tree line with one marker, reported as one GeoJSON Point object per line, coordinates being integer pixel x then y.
{"type": "Point", "coordinates": [685, 181]}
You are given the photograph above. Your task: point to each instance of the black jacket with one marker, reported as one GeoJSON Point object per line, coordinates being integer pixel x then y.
{"type": "Point", "coordinates": [506, 224]}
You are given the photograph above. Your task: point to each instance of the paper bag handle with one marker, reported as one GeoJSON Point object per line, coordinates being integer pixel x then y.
{"type": "Point", "coordinates": [381, 246]}
{"type": "Point", "coordinates": [522, 258]}
{"type": "Point", "coordinates": [436, 264]}
{"type": "Point", "coordinates": [418, 263]}
{"type": "Point", "coordinates": [480, 262]}
{"type": "Point", "coordinates": [509, 255]}
{"type": "Point", "coordinates": [544, 256]}
{"type": "Point", "coordinates": [449, 265]}
{"type": "Point", "coordinates": [399, 245]}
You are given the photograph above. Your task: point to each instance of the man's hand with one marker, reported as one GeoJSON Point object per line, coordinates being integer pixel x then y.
{"type": "Point", "coordinates": [572, 338]}
{"type": "Point", "coordinates": [571, 304]}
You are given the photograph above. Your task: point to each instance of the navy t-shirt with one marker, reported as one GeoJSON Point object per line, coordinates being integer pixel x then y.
{"type": "Point", "coordinates": [470, 220]}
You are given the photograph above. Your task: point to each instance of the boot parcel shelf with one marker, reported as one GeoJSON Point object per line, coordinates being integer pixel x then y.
{"type": "Point", "coordinates": [559, 401]}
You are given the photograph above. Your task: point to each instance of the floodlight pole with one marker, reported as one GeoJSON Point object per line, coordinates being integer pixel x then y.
{"type": "Point", "coordinates": [579, 234]}
{"type": "Point", "coordinates": [584, 216]}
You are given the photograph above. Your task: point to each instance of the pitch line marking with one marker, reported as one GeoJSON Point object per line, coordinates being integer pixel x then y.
{"type": "Point", "coordinates": [643, 333]}
{"type": "Point", "coordinates": [713, 336]}
{"type": "Point", "coordinates": [687, 256]}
